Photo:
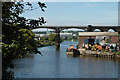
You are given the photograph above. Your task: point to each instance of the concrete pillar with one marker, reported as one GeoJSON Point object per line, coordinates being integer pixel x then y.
{"type": "Point", "coordinates": [90, 28]}
{"type": "Point", "coordinates": [104, 29]}
{"type": "Point", "coordinates": [57, 39]}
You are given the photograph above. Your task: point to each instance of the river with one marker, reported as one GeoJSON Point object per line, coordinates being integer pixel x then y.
{"type": "Point", "coordinates": [56, 64]}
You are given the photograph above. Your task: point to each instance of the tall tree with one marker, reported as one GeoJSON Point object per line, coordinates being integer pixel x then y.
{"type": "Point", "coordinates": [16, 34]}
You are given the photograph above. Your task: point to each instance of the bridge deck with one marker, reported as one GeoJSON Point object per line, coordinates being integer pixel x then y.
{"type": "Point", "coordinates": [82, 27]}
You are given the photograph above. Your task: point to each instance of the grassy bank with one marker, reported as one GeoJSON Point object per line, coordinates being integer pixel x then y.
{"type": "Point", "coordinates": [42, 44]}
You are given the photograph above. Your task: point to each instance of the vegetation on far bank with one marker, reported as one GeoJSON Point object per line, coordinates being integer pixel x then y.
{"type": "Point", "coordinates": [42, 44]}
{"type": "Point", "coordinates": [47, 40]}
{"type": "Point", "coordinates": [74, 38]}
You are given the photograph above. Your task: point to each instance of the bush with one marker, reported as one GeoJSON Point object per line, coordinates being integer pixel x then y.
{"type": "Point", "coordinates": [51, 37]}
{"type": "Point", "coordinates": [118, 53]}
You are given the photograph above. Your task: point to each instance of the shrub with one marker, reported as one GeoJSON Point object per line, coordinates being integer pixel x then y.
{"type": "Point", "coordinates": [118, 53]}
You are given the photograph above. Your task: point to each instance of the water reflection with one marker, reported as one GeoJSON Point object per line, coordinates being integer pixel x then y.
{"type": "Point", "coordinates": [100, 67]}
{"type": "Point", "coordinates": [56, 64]}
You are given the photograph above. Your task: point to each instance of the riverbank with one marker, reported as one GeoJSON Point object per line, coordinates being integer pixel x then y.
{"type": "Point", "coordinates": [42, 44]}
{"type": "Point", "coordinates": [99, 53]}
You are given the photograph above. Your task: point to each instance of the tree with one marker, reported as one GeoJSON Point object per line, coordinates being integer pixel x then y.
{"type": "Point", "coordinates": [17, 37]}
{"type": "Point", "coordinates": [51, 37]}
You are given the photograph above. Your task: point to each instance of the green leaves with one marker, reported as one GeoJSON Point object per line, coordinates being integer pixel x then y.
{"type": "Point", "coordinates": [18, 40]}
{"type": "Point", "coordinates": [52, 37]}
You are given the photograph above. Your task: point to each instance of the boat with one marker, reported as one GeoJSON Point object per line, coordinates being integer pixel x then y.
{"type": "Point", "coordinates": [72, 51]}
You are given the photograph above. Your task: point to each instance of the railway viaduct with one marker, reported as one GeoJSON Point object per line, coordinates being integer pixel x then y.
{"type": "Point", "coordinates": [88, 28]}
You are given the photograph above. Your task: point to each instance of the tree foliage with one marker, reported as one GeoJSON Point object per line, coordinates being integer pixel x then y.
{"type": "Point", "coordinates": [16, 34]}
{"type": "Point", "coordinates": [51, 37]}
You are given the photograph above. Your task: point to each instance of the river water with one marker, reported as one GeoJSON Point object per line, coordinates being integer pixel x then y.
{"type": "Point", "coordinates": [56, 64]}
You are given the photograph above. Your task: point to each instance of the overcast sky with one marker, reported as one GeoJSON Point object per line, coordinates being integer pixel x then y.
{"type": "Point", "coordinates": [77, 13]}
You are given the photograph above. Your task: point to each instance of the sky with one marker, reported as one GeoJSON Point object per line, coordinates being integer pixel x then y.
{"type": "Point", "coordinates": [76, 13]}
{"type": "Point", "coordinates": [73, 0]}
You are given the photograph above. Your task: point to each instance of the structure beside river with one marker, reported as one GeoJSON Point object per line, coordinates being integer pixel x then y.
{"type": "Point", "coordinates": [104, 44]}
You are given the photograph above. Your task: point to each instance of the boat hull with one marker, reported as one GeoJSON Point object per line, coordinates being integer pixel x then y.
{"type": "Point", "coordinates": [73, 52]}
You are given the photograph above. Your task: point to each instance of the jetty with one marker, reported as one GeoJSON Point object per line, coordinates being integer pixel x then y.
{"type": "Point", "coordinates": [84, 52]}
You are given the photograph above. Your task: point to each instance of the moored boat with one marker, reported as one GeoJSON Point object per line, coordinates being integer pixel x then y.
{"type": "Point", "coordinates": [72, 51]}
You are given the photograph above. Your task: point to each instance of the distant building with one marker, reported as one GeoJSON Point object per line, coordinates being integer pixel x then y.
{"type": "Point", "coordinates": [66, 35]}
{"type": "Point", "coordinates": [37, 37]}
